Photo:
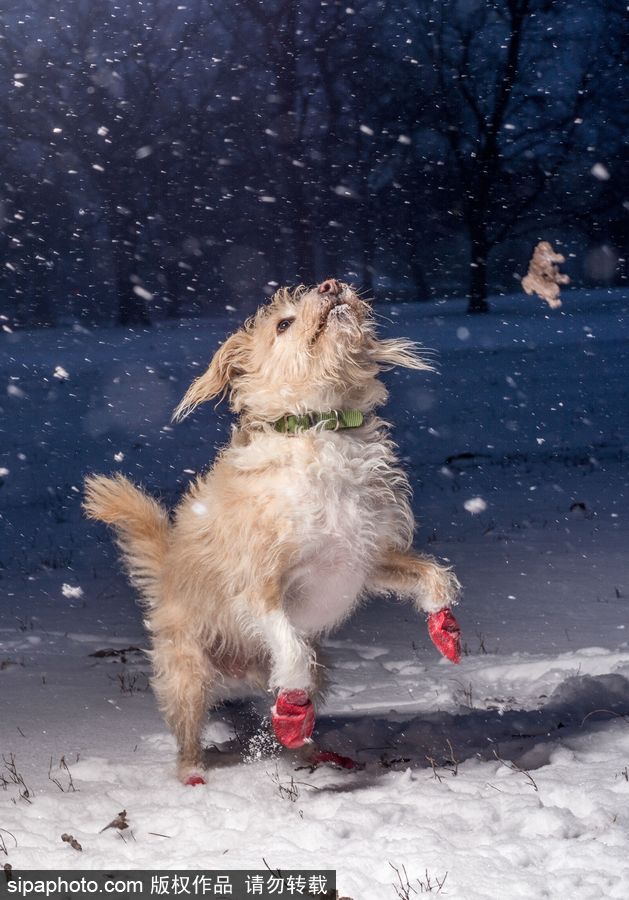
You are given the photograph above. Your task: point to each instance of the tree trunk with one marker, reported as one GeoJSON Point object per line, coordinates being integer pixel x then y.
{"type": "Point", "coordinates": [420, 283]}
{"type": "Point", "coordinates": [327, 205]}
{"type": "Point", "coordinates": [131, 308]}
{"type": "Point", "coordinates": [478, 277]}
{"type": "Point", "coordinates": [303, 236]}
{"type": "Point", "coordinates": [42, 315]}
{"type": "Point", "coordinates": [173, 287]}
{"type": "Point", "coordinates": [368, 255]}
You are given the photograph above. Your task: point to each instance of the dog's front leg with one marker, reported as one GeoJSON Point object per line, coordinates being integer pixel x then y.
{"type": "Point", "coordinates": [292, 676]}
{"type": "Point", "coordinates": [432, 587]}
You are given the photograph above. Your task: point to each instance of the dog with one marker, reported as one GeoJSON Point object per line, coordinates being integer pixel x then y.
{"type": "Point", "coordinates": [304, 512]}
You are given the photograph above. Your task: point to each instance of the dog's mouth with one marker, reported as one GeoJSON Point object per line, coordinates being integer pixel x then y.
{"type": "Point", "coordinates": [334, 309]}
{"type": "Point", "coordinates": [335, 305]}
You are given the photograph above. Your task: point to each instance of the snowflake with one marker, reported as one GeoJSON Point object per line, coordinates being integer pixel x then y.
{"type": "Point", "coordinates": [475, 505]}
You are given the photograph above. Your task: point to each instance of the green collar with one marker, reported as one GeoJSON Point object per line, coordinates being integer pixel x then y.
{"type": "Point", "coordinates": [333, 420]}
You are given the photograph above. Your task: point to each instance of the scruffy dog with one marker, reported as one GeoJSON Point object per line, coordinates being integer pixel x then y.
{"type": "Point", "coordinates": [304, 512]}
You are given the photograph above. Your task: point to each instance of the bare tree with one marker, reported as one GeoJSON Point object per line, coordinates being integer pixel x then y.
{"type": "Point", "coordinates": [167, 157]}
{"type": "Point", "coordinates": [97, 92]}
{"type": "Point", "coordinates": [507, 119]}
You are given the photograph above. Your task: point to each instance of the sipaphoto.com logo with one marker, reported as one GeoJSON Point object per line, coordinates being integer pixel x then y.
{"type": "Point", "coordinates": [75, 887]}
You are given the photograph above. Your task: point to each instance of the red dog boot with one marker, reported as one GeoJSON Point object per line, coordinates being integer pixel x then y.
{"type": "Point", "coordinates": [293, 718]}
{"type": "Point", "coordinates": [193, 780]}
{"type": "Point", "coordinates": [444, 630]}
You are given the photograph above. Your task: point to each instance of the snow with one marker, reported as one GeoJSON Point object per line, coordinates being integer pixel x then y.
{"type": "Point", "coordinates": [507, 774]}
{"type": "Point", "coordinates": [475, 505]}
{"type": "Point", "coordinates": [142, 292]}
{"type": "Point", "coordinates": [600, 171]}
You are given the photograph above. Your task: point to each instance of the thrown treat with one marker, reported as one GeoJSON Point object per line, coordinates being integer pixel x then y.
{"type": "Point", "coordinates": [543, 277]}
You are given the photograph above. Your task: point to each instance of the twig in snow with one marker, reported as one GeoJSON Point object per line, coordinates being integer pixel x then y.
{"type": "Point", "coordinates": [276, 872]}
{"type": "Point", "coordinates": [609, 712]}
{"type": "Point", "coordinates": [516, 768]}
{"type": "Point", "coordinates": [70, 788]}
{"type": "Point", "coordinates": [452, 760]}
{"type": "Point", "coordinates": [3, 845]}
{"type": "Point", "coordinates": [433, 764]}
{"type": "Point", "coordinates": [289, 790]}
{"type": "Point", "coordinates": [467, 694]}
{"type": "Point", "coordinates": [53, 779]}
{"type": "Point", "coordinates": [63, 765]}
{"type": "Point", "coordinates": [404, 889]}
{"type": "Point", "coordinates": [129, 682]}
{"type": "Point", "coordinates": [15, 777]}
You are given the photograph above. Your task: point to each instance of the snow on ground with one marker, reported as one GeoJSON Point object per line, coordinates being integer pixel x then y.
{"type": "Point", "coordinates": [508, 774]}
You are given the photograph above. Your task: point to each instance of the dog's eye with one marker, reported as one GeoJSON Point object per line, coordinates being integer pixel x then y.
{"type": "Point", "coordinates": [284, 325]}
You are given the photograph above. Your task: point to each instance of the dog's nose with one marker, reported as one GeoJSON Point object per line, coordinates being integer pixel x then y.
{"type": "Point", "coordinates": [330, 286]}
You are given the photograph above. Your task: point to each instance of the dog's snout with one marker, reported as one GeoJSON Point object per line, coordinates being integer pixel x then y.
{"type": "Point", "coordinates": [330, 286]}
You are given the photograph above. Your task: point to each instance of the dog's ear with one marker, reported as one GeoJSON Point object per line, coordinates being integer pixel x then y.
{"type": "Point", "coordinates": [393, 352]}
{"type": "Point", "coordinates": [229, 361]}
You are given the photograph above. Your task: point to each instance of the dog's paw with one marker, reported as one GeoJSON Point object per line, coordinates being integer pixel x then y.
{"type": "Point", "coordinates": [445, 632]}
{"type": "Point", "coordinates": [193, 780]}
{"type": "Point", "coordinates": [190, 773]}
{"type": "Point", "coordinates": [293, 718]}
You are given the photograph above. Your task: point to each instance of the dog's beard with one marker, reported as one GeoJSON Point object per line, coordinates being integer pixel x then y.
{"type": "Point", "coordinates": [339, 320]}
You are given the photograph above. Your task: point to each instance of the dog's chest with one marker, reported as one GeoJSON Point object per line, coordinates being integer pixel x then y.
{"type": "Point", "coordinates": [341, 501]}
{"type": "Point", "coordinates": [341, 487]}
{"type": "Point", "coordinates": [344, 507]}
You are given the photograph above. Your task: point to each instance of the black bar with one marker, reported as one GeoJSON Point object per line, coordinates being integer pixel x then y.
{"type": "Point", "coordinates": [239, 884]}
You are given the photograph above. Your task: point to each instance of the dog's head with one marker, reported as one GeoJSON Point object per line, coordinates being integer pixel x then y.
{"type": "Point", "coordinates": [308, 350]}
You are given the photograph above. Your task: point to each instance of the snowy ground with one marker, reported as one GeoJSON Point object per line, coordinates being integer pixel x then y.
{"type": "Point", "coordinates": [508, 774]}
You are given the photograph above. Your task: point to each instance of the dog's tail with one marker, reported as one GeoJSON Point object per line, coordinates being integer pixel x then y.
{"type": "Point", "coordinates": [141, 525]}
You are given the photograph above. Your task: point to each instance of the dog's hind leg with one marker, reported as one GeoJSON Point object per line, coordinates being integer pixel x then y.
{"type": "Point", "coordinates": [184, 681]}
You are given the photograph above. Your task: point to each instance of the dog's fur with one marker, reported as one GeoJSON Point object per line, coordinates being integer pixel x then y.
{"type": "Point", "coordinates": [279, 541]}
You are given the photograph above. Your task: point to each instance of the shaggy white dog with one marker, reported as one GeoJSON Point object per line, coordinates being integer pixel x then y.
{"type": "Point", "coordinates": [304, 512]}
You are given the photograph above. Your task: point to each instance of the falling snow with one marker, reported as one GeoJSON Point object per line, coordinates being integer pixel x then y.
{"type": "Point", "coordinates": [166, 167]}
{"type": "Point", "coordinates": [475, 505]}
{"type": "Point", "coordinates": [600, 171]}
